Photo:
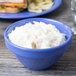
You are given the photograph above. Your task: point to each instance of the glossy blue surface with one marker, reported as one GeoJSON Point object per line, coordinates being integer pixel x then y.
{"type": "Point", "coordinates": [39, 59]}
{"type": "Point", "coordinates": [26, 14]}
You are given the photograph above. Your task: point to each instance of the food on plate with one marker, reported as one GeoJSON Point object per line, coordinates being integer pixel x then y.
{"type": "Point", "coordinates": [13, 6]}
{"type": "Point", "coordinates": [37, 36]}
{"type": "Point", "coordinates": [40, 5]}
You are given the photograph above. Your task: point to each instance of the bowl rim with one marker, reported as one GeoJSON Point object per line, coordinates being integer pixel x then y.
{"type": "Point", "coordinates": [37, 50]}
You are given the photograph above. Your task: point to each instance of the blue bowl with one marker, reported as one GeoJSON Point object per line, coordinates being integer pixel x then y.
{"type": "Point", "coordinates": [39, 59]}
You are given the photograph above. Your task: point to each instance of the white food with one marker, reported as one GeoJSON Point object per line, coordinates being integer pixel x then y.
{"type": "Point", "coordinates": [39, 5]}
{"type": "Point", "coordinates": [38, 36]}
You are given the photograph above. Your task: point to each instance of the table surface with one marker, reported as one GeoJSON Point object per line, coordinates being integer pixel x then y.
{"type": "Point", "coordinates": [10, 66]}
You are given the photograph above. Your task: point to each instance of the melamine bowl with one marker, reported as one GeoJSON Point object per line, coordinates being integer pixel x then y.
{"type": "Point", "coordinates": [39, 59]}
